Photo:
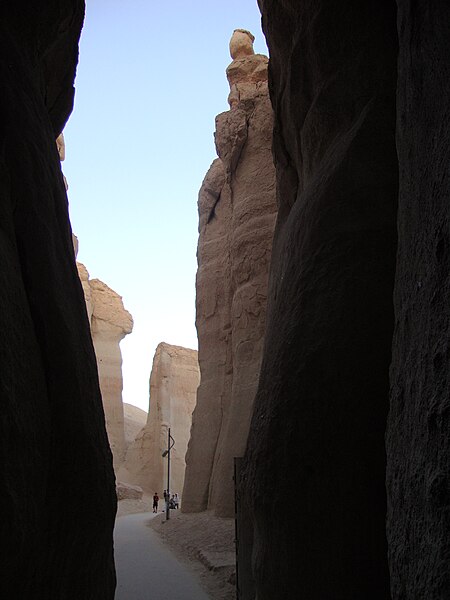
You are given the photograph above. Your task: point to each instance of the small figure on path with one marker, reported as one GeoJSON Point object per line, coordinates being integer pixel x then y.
{"type": "Point", "coordinates": [176, 501]}
{"type": "Point", "coordinates": [155, 502]}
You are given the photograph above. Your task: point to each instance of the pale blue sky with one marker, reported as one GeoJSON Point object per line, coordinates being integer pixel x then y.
{"type": "Point", "coordinates": [150, 81]}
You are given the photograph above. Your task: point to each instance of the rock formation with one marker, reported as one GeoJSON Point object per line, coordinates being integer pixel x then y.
{"type": "Point", "coordinates": [320, 412]}
{"type": "Point", "coordinates": [125, 491]}
{"type": "Point", "coordinates": [57, 487]}
{"type": "Point", "coordinates": [110, 323]}
{"type": "Point", "coordinates": [85, 282]}
{"type": "Point", "coordinates": [237, 211]}
{"type": "Point", "coordinates": [319, 424]}
{"type": "Point", "coordinates": [173, 386]}
{"type": "Point", "coordinates": [418, 434]}
{"type": "Point", "coordinates": [134, 419]}
{"type": "Point", "coordinates": [343, 79]}
{"type": "Point", "coordinates": [61, 146]}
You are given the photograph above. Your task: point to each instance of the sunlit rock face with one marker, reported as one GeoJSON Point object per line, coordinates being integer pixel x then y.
{"type": "Point", "coordinates": [237, 211]}
{"type": "Point", "coordinates": [134, 420]}
{"type": "Point", "coordinates": [125, 491]}
{"type": "Point", "coordinates": [241, 44]}
{"type": "Point", "coordinates": [84, 278]}
{"type": "Point", "coordinates": [56, 479]}
{"type": "Point", "coordinates": [318, 427]}
{"type": "Point", "coordinates": [173, 386]}
{"type": "Point", "coordinates": [110, 323]}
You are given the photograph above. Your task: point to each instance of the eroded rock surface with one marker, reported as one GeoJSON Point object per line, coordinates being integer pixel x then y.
{"type": "Point", "coordinates": [237, 211]}
{"type": "Point", "coordinates": [134, 419]}
{"type": "Point", "coordinates": [57, 496]}
{"type": "Point", "coordinates": [173, 387]}
{"type": "Point", "coordinates": [319, 422]}
{"type": "Point", "coordinates": [126, 491]}
{"type": "Point", "coordinates": [61, 147]}
{"type": "Point", "coordinates": [418, 435]}
{"type": "Point", "coordinates": [83, 274]}
{"type": "Point", "coordinates": [110, 323]}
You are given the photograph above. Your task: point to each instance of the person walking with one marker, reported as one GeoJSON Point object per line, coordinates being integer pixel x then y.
{"type": "Point", "coordinates": [155, 502]}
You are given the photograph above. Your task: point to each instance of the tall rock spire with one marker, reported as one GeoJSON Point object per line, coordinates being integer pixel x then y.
{"type": "Point", "coordinates": [237, 211]}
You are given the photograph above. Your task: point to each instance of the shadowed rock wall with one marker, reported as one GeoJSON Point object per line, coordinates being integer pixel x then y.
{"type": "Point", "coordinates": [237, 211]}
{"type": "Point", "coordinates": [57, 497]}
{"type": "Point", "coordinates": [320, 413]}
{"type": "Point", "coordinates": [418, 436]}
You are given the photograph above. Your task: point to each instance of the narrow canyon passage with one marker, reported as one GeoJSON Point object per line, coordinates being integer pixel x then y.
{"type": "Point", "coordinates": [147, 570]}
{"type": "Point", "coordinates": [316, 460]}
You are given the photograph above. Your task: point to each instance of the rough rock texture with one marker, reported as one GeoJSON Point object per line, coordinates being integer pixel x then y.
{"type": "Point", "coordinates": [110, 323]}
{"type": "Point", "coordinates": [418, 436]}
{"type": "Point", "coordinates": [173, 387]}
{"type": "Point", "coordinates": [61, 147]}
{"type": "Point", "coordinates": [237, 211]}
{"type": "Point", "coordinates": [134, 420]}
{"type": "Point", "coordinates": [84, 278]}
{"type": "Point", "coordinates": [241, 44]}
{"type": "Point", "coordinates": [125, 491]}
{"type": "Point", "coordinates": [57, 494]}
{"type": "Point", "coordinates": [213, 327]}
{"type": "Point", "coordinates": [320, 413]}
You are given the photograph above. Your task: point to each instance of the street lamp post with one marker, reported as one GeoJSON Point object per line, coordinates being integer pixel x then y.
{"type": "Point", "coordinates": [170, 445]}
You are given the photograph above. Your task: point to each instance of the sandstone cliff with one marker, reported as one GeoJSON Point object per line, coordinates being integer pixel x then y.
{"type": "Point", "coordinates": [418, 433]}
{"type": "Point", "coordinates": [57, 487]}
{"type": "Point", "coordinates": [84, 278]}
{"type": "Point", "coordinates": [134, 419]}
{"type": "Point", "coordinates": [361, 100]}
{"type": "Point", "coordinates": [110, 323]}
{"type": "Point", "coordinates": [173, 386]}
{"type": "Point", "coordinates": [237, 211]}
{"type": "Point", "coordinates": [320, 413]}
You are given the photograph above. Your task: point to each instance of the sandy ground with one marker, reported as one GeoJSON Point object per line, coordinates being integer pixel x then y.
{"type": "Point", "coordinates": [132, 507]}
{"type": "Point", "coordinates": [203, 542]}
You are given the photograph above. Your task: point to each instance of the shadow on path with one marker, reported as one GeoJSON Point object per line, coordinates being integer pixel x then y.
{"type": "Point", "coordinates": [147, 570]}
